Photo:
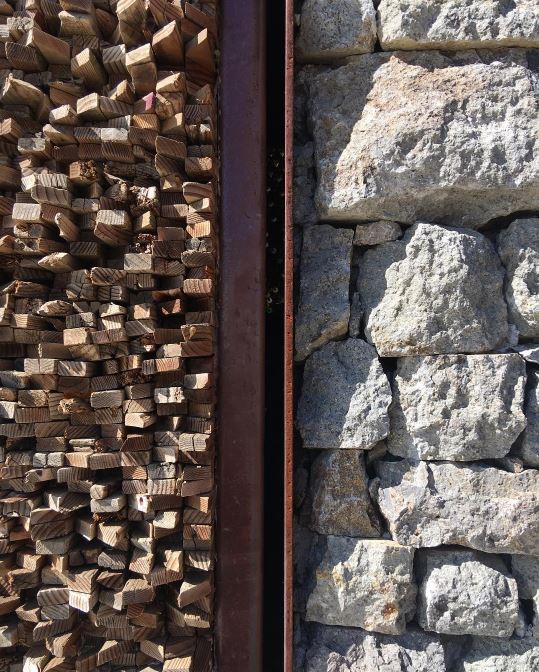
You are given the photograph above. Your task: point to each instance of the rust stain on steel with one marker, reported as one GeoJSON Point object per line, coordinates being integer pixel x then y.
{"type": "Point", "coordinates": [289, 340]}
{"type": "Point", "coordinates": [241, 338]}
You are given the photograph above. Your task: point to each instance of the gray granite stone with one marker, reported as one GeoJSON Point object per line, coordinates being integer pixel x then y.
{"type": "Point", "coordinates": [439, 410]}
{"type": "Point", "coordinates": [324, 304]}
{"type": "Point", "coordinates": [333, 30]}
{"type": "Point", "coordinates": [458, 24]}
{"type": "Point", "coordinates": [345, 397]}
{"type": "Point", "coordinates": [518, 247]}
{"type": "Point", "coordinates": [426, 136]}
{"type": "Point", "coordinates": [364, 583]}
{"type": "Point", "coordinates": [466, 593]}
{"type": "Point", "coordinates": [435, 503]}
{"type": "Point", "coordinates": [425, 294]}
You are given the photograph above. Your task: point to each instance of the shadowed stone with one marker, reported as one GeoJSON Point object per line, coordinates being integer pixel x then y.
{"type": "Point", "coordinates": [525, 569]}
{"type": "Point", "coordinates": [376, 233]}
{"type": "Point", "coordinates": [336, 649]}
{"type": "Point", "coordinates": [528, 448]}
{"type": "Point", "coordinates": [518, 247]}
{"type": "Point", "coordinates": [345, 397]}
{"type": "Point", "coordinates": [324, 304]}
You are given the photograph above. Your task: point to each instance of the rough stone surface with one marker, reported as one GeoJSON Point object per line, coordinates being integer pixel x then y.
{"type": "Point", "coordinates": [489, 654]}
{"type": "Point", "coordinates": [425, 294]}
{"type": "Point", "coordinates": [466, 593]}
{"type": "Point", "coordinates": [335, 29]}
{"type": "Point", "coordinates": [350, 650]}
{"type": "Point", "coordinates": [528, 448]}
{"type": "Point", "coordinates": [435, 503]}
{"type": "Point", "coordinates": [324, 306]}
{"type": "Point", "coordinates": [376, 233]}
{"type": "Point", "coordinates": [518, 246]}
{"type": "Point", "coordinates": [525, 569]}
{"type": "Point", "coordinates": [348, 581]}
{"type": "Point", "coordinates": [439, 410]}
{"type": "Point", "coordinates": [426, 136]}
{"type": "Point", "coordinates": [457, 24]}
{"type": "Point", "coordinates": [345, 397]}
{"type": "Point", "coordinates": [339, 499]}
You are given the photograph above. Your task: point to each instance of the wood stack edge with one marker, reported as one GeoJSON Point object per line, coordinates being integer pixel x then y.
{"type": "Point", "coordinates": [108, 251]}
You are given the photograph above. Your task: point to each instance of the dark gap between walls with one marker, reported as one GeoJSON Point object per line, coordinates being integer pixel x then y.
{"type": "Point", "coordinates": [273, 632]}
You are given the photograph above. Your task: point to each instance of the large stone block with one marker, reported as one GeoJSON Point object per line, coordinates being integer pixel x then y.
{"type": "Point", "coordinates": [324, 303]}
{"type": "Point", "coordinates": [439, 410]}
{"type": "Point", "coordinates": [426, 136]}
{"type": "Point", "coordinates": [364, 583]}
{"type": "Point", "coordinates": [345, 397]}
{"type": "Point", "coordinates": [339, 501]}
{"type": "Point", "coordinates": [457, 24]}
{"type": "Point", "coordinates": [435, 503]}
{"type": "Point", "coordinates": [466, 593]}
{"type": "Point", "coordinates": [489, 654]}
{"type": "Point", "coordinates": [425, 294]}
{"type": "Point", "coordinates": [518, 247]}
{"type": "Point", "coordinates": [350, 650]}
{"type": "Point", "coordinates": [528, 447]}
{"type": "Point", "coordinates": [335, 29]}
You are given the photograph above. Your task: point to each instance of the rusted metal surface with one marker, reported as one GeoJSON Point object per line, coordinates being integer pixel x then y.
{"type": "Point", "coordinates": [241, 338]}
{"type": "Point", "coordinates": [289, 341]}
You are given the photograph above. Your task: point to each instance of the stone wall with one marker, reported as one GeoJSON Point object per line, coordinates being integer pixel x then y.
{"type": "Point", "coordinates": [417, 336]}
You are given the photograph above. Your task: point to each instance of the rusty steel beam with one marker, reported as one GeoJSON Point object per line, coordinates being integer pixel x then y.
{"type": "Point", "coordinates": [289, 340]}
{"type": "Point", "coordinates": [241, 338]}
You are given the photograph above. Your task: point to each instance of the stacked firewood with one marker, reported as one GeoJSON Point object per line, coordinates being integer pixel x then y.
{"type": "Point", "coordinates": [107, 333]}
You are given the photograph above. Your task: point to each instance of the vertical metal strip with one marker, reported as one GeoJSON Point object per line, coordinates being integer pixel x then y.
{"type": "Point", "coordinates": [289, 340]}
{"type": "Point", "coordinates": [241, 338]}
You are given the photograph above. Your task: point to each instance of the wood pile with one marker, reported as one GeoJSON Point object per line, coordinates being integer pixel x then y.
{"type": "Point", "coordinates": [108, 172]}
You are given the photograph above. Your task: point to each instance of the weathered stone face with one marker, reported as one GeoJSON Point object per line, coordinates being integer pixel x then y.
{"type": "Point", "coordinates": [528, 448]}
{"type": "Point", "coordinates": [336, 29]}
{"type": "Point", "coordinates": [425, 293]}
{"type": "Point", "coordinates": [340, 502]}
{"type": "Point", "coordinates": [488, 654]}
{"type": "Point", "coordinates": [432, 503]}
{"type": "Point", "coordinates": [345, 397]}
{"type": "Point", "coordinates": [324, 305]}
{"type": "Point", "coordinates": [518, 247]}
{"type": "Point", "coordinates": [351, 650]}
{"type": "Point", "coordinates": [457, 24]}
{"type": "Point", "coordinates": [348, 580]}
{"type": "Point", "coordinates": [466, 593]}
{"type": "Point", "coordinates": [376, 233]}
{"type": "Point", "coordinates": [426, 137]}
{"type": "Point", "coordinates": [438, 410]}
